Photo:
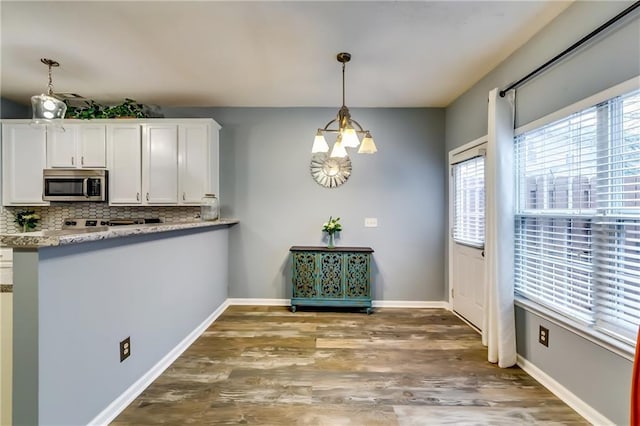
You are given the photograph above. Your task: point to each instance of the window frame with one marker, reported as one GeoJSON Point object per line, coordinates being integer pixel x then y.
{"type": "Point", "coordinates": [586, 329]}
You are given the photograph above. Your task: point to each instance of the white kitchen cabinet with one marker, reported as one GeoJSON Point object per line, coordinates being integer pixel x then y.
{"type": "Point", "coordinates": [24, 154]}
{"type": "Point", "coordinates": [195, 163]}
{"type": "Point", "coordinates": [173, 162]}
{"type": "Point", "coordinates": [143, 164]}
{"type": "Point", "coordinates": [78, 146]}
{"type": "Point", "coordinates": [6, 266]}
{"type": "Point", "coordinates": [160, 163]}
{"type": "Point", "coordinates": [125, 164]}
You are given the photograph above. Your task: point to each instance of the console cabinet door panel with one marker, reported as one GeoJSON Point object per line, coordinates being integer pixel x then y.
{"type": "Point", "coordinates": [305, 272]}
{"type": "Point", "coordinates": [125, 164]}
{"type": "Point", "coordinates": [24, 156]}
{"type": "Point", "coordinates": [331, 276]}
{"type": "Point", "coordinates": [160, 163]}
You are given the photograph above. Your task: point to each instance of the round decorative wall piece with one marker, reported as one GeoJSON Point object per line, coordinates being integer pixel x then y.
{"type": "Point", "coordinates": [330, 172]}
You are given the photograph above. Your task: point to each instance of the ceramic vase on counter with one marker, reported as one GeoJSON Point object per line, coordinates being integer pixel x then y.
{"type": "Point", "coordinates": [209, 207]}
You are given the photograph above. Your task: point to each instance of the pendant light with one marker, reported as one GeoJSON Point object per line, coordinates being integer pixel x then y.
{"type": "Point", "coordinates": [47, 108]}
{"type": "Point", "coordinates": [348, 129]}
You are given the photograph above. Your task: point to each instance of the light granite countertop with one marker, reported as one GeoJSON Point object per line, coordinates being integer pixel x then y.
{"type": "Point", "coordinates": [74, 236]}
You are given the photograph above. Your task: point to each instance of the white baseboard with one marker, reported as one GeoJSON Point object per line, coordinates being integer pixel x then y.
{"type": "Point", "coordinates": [127, 397]}
{"type": "Point", "coordinates": [569, 398]}
{"type": "Point", "coordinates": [259, 302]}
{"type": "Point", "coordinates": [424, 304]}
{"type": "Point", "coordinates": [375, 303]}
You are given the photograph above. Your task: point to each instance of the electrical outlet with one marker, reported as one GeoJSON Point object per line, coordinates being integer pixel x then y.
{"type": "Point", "coordinates": [543, 336]}
{"type": "Point", "coordinates": [125, 349]}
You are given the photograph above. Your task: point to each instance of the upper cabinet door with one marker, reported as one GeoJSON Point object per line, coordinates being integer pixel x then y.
{"type": "Point", "coordinates": [93, 146]}
{"type": "Point", "coordinates": [61, 147]}
{"type": "Point", "coordinates": [194, 171]}
{"type": "Point", "coordinates": [125, 164]}
{"type": "Point", "coordinates": [77, 146]}
{"type": "Point", "coordinates": [160, 163]}
{"type": "Point", "coordinates": [23, 158]}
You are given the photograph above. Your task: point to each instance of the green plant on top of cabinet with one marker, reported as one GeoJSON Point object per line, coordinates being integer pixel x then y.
{"type": "Point", "coordinates": [78, 146]}
{"type": "Point", "coordinates": [24, 149]}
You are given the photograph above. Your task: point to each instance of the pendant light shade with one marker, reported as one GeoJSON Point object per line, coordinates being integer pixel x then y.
{"type": "Point", "coordinates": [347, 129]}
{"type": "Point", "coordinates": [368, 146]}
{"type": "Point", "coordinates": [338, 149]}
{"type": "Point", "coordinates": [47, 108]}
{"type": "Point", "coordinates": [319, 143]}
{"type": "Point", "coordinates": [350, 137]}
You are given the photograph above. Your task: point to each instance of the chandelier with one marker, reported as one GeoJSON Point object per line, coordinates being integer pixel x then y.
{"type": "Point", "coordinates": [347, 128]}
{"type": "Point", "coordinates": [47, 108]}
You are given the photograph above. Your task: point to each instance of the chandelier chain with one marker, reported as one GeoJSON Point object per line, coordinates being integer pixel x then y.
{"type": "Point", "coordinates": [50, 87]}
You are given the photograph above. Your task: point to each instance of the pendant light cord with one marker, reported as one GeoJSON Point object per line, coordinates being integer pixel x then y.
{"type": "Point", "coordinates": [343, 67]}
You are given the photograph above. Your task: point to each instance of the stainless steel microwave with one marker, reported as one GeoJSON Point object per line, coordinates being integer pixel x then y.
{"type": "Point", "coordinates": [74, 185]}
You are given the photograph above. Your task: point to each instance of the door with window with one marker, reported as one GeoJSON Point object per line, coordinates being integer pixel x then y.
{"type": "Point", "coordinates": [467, 213]}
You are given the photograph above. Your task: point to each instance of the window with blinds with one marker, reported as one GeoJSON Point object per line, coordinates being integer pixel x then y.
{"type": "Point", "coordinates": [577, 233]}
{"type": "Point", "coordinates": [468, 202]}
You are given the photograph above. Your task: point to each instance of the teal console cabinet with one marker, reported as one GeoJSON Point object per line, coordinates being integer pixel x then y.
{"type": "Point", "coordinates": [339, 276]}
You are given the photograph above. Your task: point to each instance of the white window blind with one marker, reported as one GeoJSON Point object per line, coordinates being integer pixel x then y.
{"type": "Point", "coordinates": [468, 202]}
{"type": "Point", "coordinates": [577, 242]}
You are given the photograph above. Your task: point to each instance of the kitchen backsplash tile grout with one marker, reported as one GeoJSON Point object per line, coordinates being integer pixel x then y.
{"type": "Point", "coordinates": [52, 217]}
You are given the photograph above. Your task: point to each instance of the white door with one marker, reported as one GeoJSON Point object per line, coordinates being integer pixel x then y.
{"type": "Point", "coordinates": [467, 197]}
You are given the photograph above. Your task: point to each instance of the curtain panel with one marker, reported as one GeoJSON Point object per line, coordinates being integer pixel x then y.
{"type": "Point", "coordinates": [498, 331]}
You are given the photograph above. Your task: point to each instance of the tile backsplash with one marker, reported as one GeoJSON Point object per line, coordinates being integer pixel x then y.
{"type": "Point", "coordinates": [52, 217]}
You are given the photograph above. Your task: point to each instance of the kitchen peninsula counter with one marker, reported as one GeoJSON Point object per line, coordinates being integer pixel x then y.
{"type": "Point", "coordinates": [78, 295]}
{"type": "Point", "coordinates": [76, 236]}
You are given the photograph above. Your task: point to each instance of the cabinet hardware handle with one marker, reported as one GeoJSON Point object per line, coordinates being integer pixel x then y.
{"type": "Point", "coordinates": [137, 196]}
{"type": "Point", "coordinates": [72, 161]}
{"type": "Point", "coordinates": [147, 196]}
{"type": "Point", "coordinates": [184, 196]}
{"type": "Point", "coordinates": [82, 160]}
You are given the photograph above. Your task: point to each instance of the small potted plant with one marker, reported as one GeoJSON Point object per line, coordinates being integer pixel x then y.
{"type": "Point", "coordinates": [331, 227]}
{"type": "Point", "coordinates": [27, 219]}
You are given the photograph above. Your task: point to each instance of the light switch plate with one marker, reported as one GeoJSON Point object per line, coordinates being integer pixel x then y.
{"type": "Point", "coordinates": [370, 222]}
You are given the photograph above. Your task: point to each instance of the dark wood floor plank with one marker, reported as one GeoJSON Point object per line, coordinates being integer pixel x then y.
{"type": "Point", "coordinates": [268, 366]}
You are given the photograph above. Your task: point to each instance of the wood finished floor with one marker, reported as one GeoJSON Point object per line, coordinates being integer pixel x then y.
{"type": "Point", "coordinates": [267, 366]}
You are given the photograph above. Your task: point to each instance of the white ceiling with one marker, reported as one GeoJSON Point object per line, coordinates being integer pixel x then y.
{"type": "Point", "coordinates": [263, 53]}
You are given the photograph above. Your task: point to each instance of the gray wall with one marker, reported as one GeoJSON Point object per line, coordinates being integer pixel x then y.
{"type": "Point", "coordinates": [11, 109]}
{"type": "Point", "coordinates": [99, 293]}
{"type": "Point", "coordinates": [591, 372]}
{"type": "Point", "coordinates": [265, 182]}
